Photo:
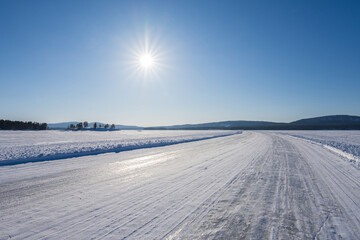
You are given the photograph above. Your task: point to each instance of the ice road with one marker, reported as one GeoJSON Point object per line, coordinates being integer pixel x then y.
{"type": "Point", "coordinates": [254, 185]}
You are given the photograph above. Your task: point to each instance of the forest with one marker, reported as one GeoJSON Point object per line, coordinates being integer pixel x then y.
{"type": "Point", "coordinates": [20, 125]}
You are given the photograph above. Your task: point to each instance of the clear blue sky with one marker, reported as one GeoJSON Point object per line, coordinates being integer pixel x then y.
{"type": "Point", "coordinates": [220, 60]}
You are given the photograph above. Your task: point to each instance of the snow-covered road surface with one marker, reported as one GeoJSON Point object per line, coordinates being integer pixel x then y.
{"type": "Point", "coordinates": [346, 143]}
{"type": "Point", "coordinates": [254, 185]}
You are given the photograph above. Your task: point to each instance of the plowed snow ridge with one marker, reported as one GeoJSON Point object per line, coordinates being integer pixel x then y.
{"type": "Point", "coordinates": [33, 146]}
{"type": "Point", "coordinates": [344, 143]}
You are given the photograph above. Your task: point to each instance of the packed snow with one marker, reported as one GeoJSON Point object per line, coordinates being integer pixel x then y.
{"type": "Point", "coordinates": [31, 146]}
{"type": "Point", "coordinates": [254, 185]}
{"type": "Point", "coordinates": [345, 143]}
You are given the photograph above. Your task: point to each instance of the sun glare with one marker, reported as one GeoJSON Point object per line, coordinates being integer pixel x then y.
{"type": "Point", "coordinates": [146, 61]}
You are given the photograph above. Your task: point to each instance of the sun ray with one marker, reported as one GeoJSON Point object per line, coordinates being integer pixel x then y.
{"type": "Point", "coordinates": [146, 59]}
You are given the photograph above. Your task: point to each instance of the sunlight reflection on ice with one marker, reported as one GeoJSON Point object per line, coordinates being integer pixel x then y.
{"type": "Point", "coordinates": [140, 162]}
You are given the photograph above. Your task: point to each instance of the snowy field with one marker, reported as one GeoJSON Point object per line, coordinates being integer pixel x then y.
{"type": "Point", "coordinates": [31, 146]}
{"type": "Point", "coordinates": [253, 185]}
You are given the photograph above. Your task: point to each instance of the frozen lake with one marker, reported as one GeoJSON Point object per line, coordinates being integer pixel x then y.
{"type": "Point", "coordinates": [221, 185]}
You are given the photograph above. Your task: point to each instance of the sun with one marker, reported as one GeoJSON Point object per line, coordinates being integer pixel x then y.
{"type": "Point", "coordinates": [147, 58]}
{"type": "Point", "coordinates": [146, 61]}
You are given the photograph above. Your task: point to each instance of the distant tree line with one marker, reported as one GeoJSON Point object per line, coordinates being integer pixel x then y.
{"type": "Point", "coordinates": [85, 124]}
{"type": "Point", "coordinates": [19, 125]}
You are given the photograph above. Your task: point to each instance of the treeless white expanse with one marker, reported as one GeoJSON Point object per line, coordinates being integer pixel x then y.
{"type": "Point", "coordinates": [254, 185]}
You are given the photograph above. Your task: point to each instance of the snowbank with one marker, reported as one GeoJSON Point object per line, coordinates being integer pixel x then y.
{"type": "Point", "coordinates": [33, 146]}
{"type": "Point", "coordinates": [344, 143]}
